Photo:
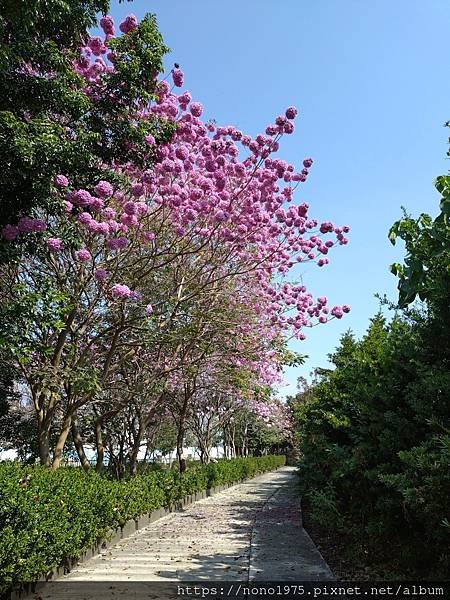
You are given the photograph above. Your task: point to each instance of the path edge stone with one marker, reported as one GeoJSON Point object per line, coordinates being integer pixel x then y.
{"type": "Point", "coordinates": [253, 570]}
{"type": "Point", "coordinates": [114, 536]}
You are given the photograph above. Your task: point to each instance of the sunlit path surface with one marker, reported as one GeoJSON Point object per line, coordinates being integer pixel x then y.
{"type": "Point", "coordinates": [249, 532]}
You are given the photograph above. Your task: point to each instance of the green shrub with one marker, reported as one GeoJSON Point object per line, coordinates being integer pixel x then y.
{"type": "Point", "coordinates": [49, 516]}
{"type": "Point", "coordinates": [375, 449]}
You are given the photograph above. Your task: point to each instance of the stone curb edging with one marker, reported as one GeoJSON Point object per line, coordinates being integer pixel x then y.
{"type": "Point", "coordinates": [323, 573]}
{"type": "Point", "coordinates": [116, 535]}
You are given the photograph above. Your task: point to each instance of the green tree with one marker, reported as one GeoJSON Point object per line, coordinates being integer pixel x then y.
{"type": "Point", "coordinates": [426, 270]}
{"type": "Point", "coordinates": [49, 125]}
{"type": "Point", "coordinates": [375, 431]}
{"type": "Point", "coordinates": [374, 442]}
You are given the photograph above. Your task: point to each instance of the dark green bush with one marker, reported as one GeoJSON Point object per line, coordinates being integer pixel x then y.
{"type": "Point", "coordinates": [49, 516]}
{"type": "Point", "coordinates": [375, 449]}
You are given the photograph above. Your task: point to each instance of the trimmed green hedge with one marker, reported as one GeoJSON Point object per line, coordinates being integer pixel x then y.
{"type": "Point", "coordinates": [49, 516]}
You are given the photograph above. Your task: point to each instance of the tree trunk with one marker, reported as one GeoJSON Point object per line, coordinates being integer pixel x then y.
{"type": "Point", "coordinates": [244, 442]}
{"type": "Point", "coordinates": [44, 441]}
{"type": "Point", "coordinates": [232, 444]}
{"type": "Point", "coordinates": [226, 443]}
{"type": "Point", "coordinates": [147, 450]}
{"type": "Point", "coordinates": [121, 459]}
{"type": "Point", "coordinates": [137, 441]}
{"type": "Point", "coordinates": [99, 445]}
{"type": "Point", "coordinates": [134, 458]}
{"type": "Point", "coordinates": [44, 448]}
{"type": "Point", "coordinates": [78, 443]}
{"type": "Point", "coordinates": [61, 442]}
{"type": "Point", "coordinates": [181, 432]}
{"type": "Point", "coordinates": [180, 441]}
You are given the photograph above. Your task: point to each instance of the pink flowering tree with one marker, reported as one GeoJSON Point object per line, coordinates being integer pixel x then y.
{"type": "Point", "coordinates": [141, 273]}
{"type": "Point", "coordinates": [71, 110]}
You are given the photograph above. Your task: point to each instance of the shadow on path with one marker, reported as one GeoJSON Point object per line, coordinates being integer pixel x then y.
{"type": "Point", "coordinates": [250, 532]}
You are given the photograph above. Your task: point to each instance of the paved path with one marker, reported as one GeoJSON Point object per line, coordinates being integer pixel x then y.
{"type": "Point", "coordinates": [249, 532]}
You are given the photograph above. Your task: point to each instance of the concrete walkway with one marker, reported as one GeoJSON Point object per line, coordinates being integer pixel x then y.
{"type": "Point", "coordinates": [249, 532]}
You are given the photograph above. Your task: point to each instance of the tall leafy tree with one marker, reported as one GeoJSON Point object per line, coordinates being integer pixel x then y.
{"type": "Point", "coordinates": [374, 433]}
{"type": "Point", "coordinates": [51, 122]}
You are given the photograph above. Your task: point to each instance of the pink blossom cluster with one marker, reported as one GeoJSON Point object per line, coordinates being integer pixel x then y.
{"type": "Point", "coordinates": [55, 244]}
{"type": "Point", "coordinates": [248, 204]}
{"type": "Point", "coordinates": [24, 225]}
{"type": "Point", "coordinates": [215, 194]}
{"type": "Point", "coordinates": [121, 291]}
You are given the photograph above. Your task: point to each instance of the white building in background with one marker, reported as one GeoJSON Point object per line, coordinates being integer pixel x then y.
{"type": "Point", "coordinates": [8, 455]}
{"type": "Point", "coordinates": [190, 453]}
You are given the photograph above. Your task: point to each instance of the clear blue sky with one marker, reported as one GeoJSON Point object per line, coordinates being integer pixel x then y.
{"type": "Point", "coordinates": [371, 81]}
